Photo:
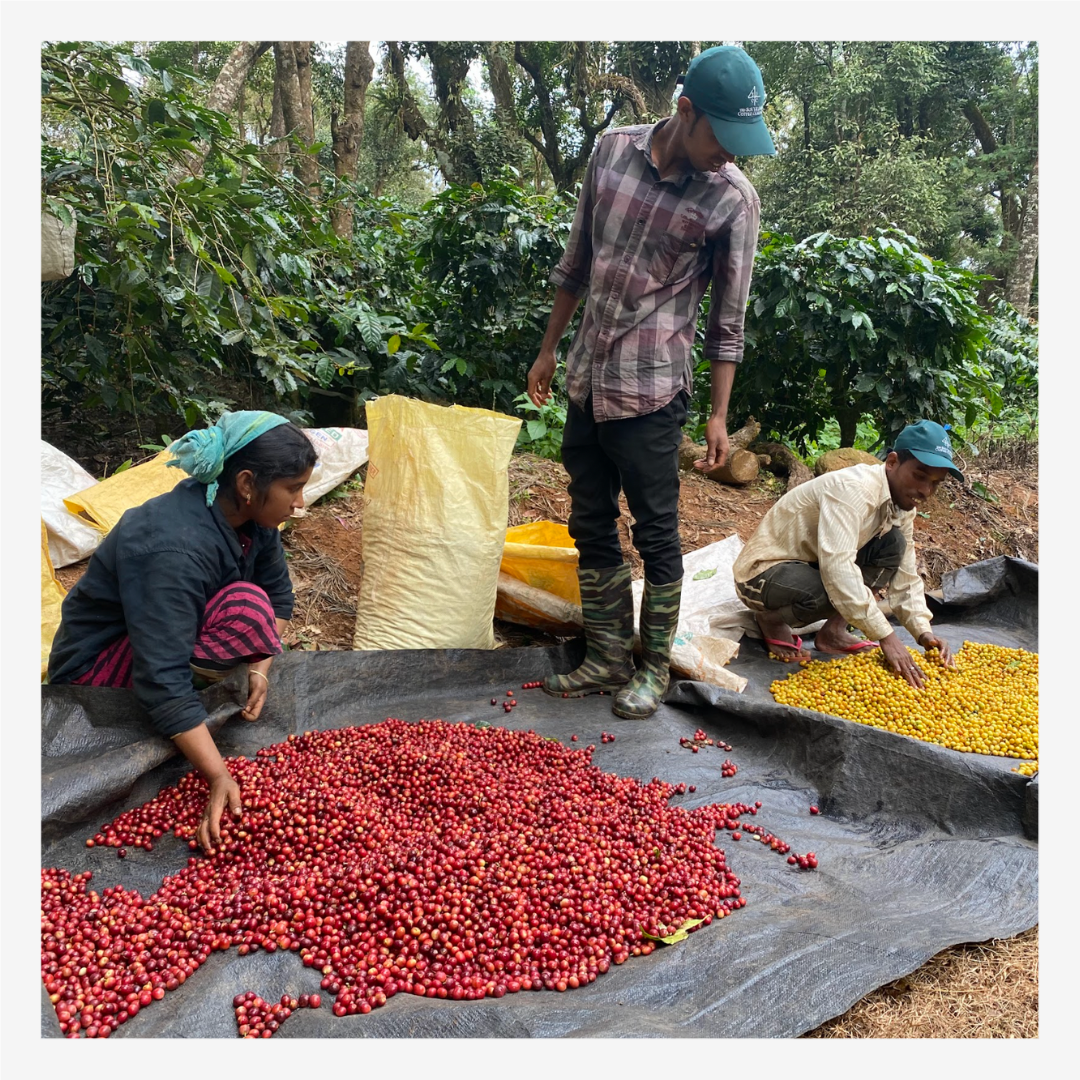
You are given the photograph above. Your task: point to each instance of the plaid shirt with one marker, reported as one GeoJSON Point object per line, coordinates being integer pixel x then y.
{"type": "Point", "coordinates": [642, 251]}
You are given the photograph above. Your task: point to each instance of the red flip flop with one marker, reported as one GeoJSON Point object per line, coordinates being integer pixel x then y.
{"type": "Point", "coordinates": [796, 645]}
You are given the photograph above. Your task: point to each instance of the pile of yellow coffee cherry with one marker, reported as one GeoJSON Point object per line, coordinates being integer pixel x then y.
{"type": "Point", "coordinates": [987, 704]}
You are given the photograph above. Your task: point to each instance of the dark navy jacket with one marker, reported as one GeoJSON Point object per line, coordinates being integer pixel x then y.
{"type": "Point", "coordinates": [151, 579]}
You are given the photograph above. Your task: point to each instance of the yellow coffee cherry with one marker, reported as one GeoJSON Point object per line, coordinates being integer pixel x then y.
{"type": "Point", "coordinates": [987, 704]}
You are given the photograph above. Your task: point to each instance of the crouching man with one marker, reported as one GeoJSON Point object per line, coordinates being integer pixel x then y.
{"type": "Point", "coordinates": [822, 550]}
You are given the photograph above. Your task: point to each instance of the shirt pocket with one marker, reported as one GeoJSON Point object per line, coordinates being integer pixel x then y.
{"type": "Point", "coordinates": [677, 257]}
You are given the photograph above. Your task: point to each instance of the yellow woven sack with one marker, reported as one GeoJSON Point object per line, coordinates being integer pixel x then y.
{"type": "Point", "coordinates": [103, 505]}
{"type": "Point", "coordinates": [542, 555]}
{"type": "Point", "coordinates": [52, 596]}
{"type": "Point", "coordinates": [435, 506]}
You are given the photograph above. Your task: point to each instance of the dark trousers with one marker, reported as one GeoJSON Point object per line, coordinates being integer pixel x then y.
{"type": "Point", "coordinates": [640, 455]}
{"type": "Point", "coordinates": [795, 591]}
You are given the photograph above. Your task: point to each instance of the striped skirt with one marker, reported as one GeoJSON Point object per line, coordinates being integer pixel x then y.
{"type": "Point", "coordinates": [238, 627]}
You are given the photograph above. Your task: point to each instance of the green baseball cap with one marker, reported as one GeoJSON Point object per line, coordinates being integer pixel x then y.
{"type": "Point", "coordinates": [725, 84]}
{"type": "Point", "coordinates": [929, 442]}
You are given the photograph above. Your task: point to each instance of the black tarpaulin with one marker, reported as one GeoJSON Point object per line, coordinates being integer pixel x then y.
{"type": "Point", "coordinates": [919, 847]}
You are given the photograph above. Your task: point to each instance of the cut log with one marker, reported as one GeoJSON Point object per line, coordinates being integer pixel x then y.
{"type": "Point", "coordinates": [741, 468]}
{"type": "Point", "coordinates": [842, 459]}
{"type": "Point", "coordinates": [784, 462]}
{"type": "Point", "coordinates": [742, 438]}
{"type": "Point", "coordinates": [690, 451]}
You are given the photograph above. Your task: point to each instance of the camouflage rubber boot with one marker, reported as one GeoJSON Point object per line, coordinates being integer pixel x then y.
{"type": "Point", "coordinates": [659, 618]}
{"type": "Point", "coordinates": [607, 607]}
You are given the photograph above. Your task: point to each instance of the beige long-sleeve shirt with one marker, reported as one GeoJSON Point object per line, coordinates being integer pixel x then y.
{"type": "Point", "coordinates": [826, 521]}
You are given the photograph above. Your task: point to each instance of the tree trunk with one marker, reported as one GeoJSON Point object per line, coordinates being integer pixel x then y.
{"type": "Point", "coordinates": [225, 92]}
{"type": "Point", "coordinates": [1018, 290]}
{"type": "Point", "coordinates": [449, 70]}
{"type": "Point", "coordinates": [302, 52]}
{"type": "Point", "coordinates": [412, 119]}
{"type": "Point", "coordinates": [548, 146]}
{"type": "Point", "coordinates": [1010, 217]}
{"type": "Point", "coordinates": [848, 419]}
{"type": "Point", "coordinates": [502, 86]}
{"type": "Point", "coordinates": [224, 95]}
{"type": "Point", "coordinates": [298, 118]}
{"type": "Point", "coordinates": [278, 150]}
{"type": "Point", "coordinates": [349, 133]}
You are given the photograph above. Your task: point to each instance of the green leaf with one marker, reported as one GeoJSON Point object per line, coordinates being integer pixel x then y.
{"type": "Point", "coordinates": [233, 336]}
{"type": "Point", "coordinates": [680, 935]}
{"type": "Point", "coordinates": [367, 322]}
{"type": "Point", "coordinates": [249, 259]}
{"type": "Point", "coordinates": [537, 429]}
{"type": "Point", "coordinates": [181, 144]}
{"type": "Point", "coordinates": [96, 349]}
{"type": "Point", "coordinates": [704, 575]}
{"type": "Point", "coordinates": [63, 213]}
{"type": "Point", "coordinates": [225, 275]}
{"type": "Point", "coordinates": [324, 371]}
{"type": "Point", "coordinates": [393, 344]}
{"type": "Point", "coordinates": [983, 491]}
{"type": "Point", "coordinates": [460, 365]}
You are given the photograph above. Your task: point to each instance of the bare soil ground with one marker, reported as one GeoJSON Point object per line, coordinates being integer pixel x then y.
{"type": "Point", "coordinates": [968, 991]}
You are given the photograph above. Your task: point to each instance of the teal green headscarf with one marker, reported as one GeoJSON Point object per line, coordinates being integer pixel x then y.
{"type": "Point", "coordinates": [202, 453]}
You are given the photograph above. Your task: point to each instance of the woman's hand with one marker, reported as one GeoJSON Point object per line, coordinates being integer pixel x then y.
{"type": "Point", "coordinates": [224, 792]}
{"type": "Point", "coordinates": [197, 745]}
{"type": "Point", "coordinates": [258, 683]}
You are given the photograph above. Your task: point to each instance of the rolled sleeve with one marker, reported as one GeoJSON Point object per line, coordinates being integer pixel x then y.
{"type": "Point", "coordinates": [733, 265]}
{"type": "Point", "coordinates": [271, 574]}
{"type": "Point", "coordinates": [907, 595]}
{"type": "Point", "coordinates": [163, 600]}
{"type": "Point", "coordinates": [573, 269]}
{"type": "Point", "coordinates": [838, 543]}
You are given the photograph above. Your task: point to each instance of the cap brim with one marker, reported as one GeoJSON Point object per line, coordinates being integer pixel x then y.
{"type": "Point", "coordinates": [936, 461]}
{"type": "Point", "coordinates": [742, 140]}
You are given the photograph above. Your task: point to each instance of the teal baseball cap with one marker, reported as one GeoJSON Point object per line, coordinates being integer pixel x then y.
{"type": "Point", "coordinates": [725, 84]}
{"type": "Point", "coordinates": [929, 442]}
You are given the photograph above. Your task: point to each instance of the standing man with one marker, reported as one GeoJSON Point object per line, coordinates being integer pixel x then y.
{"type": "Point", "coordinates": [663, 210]}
